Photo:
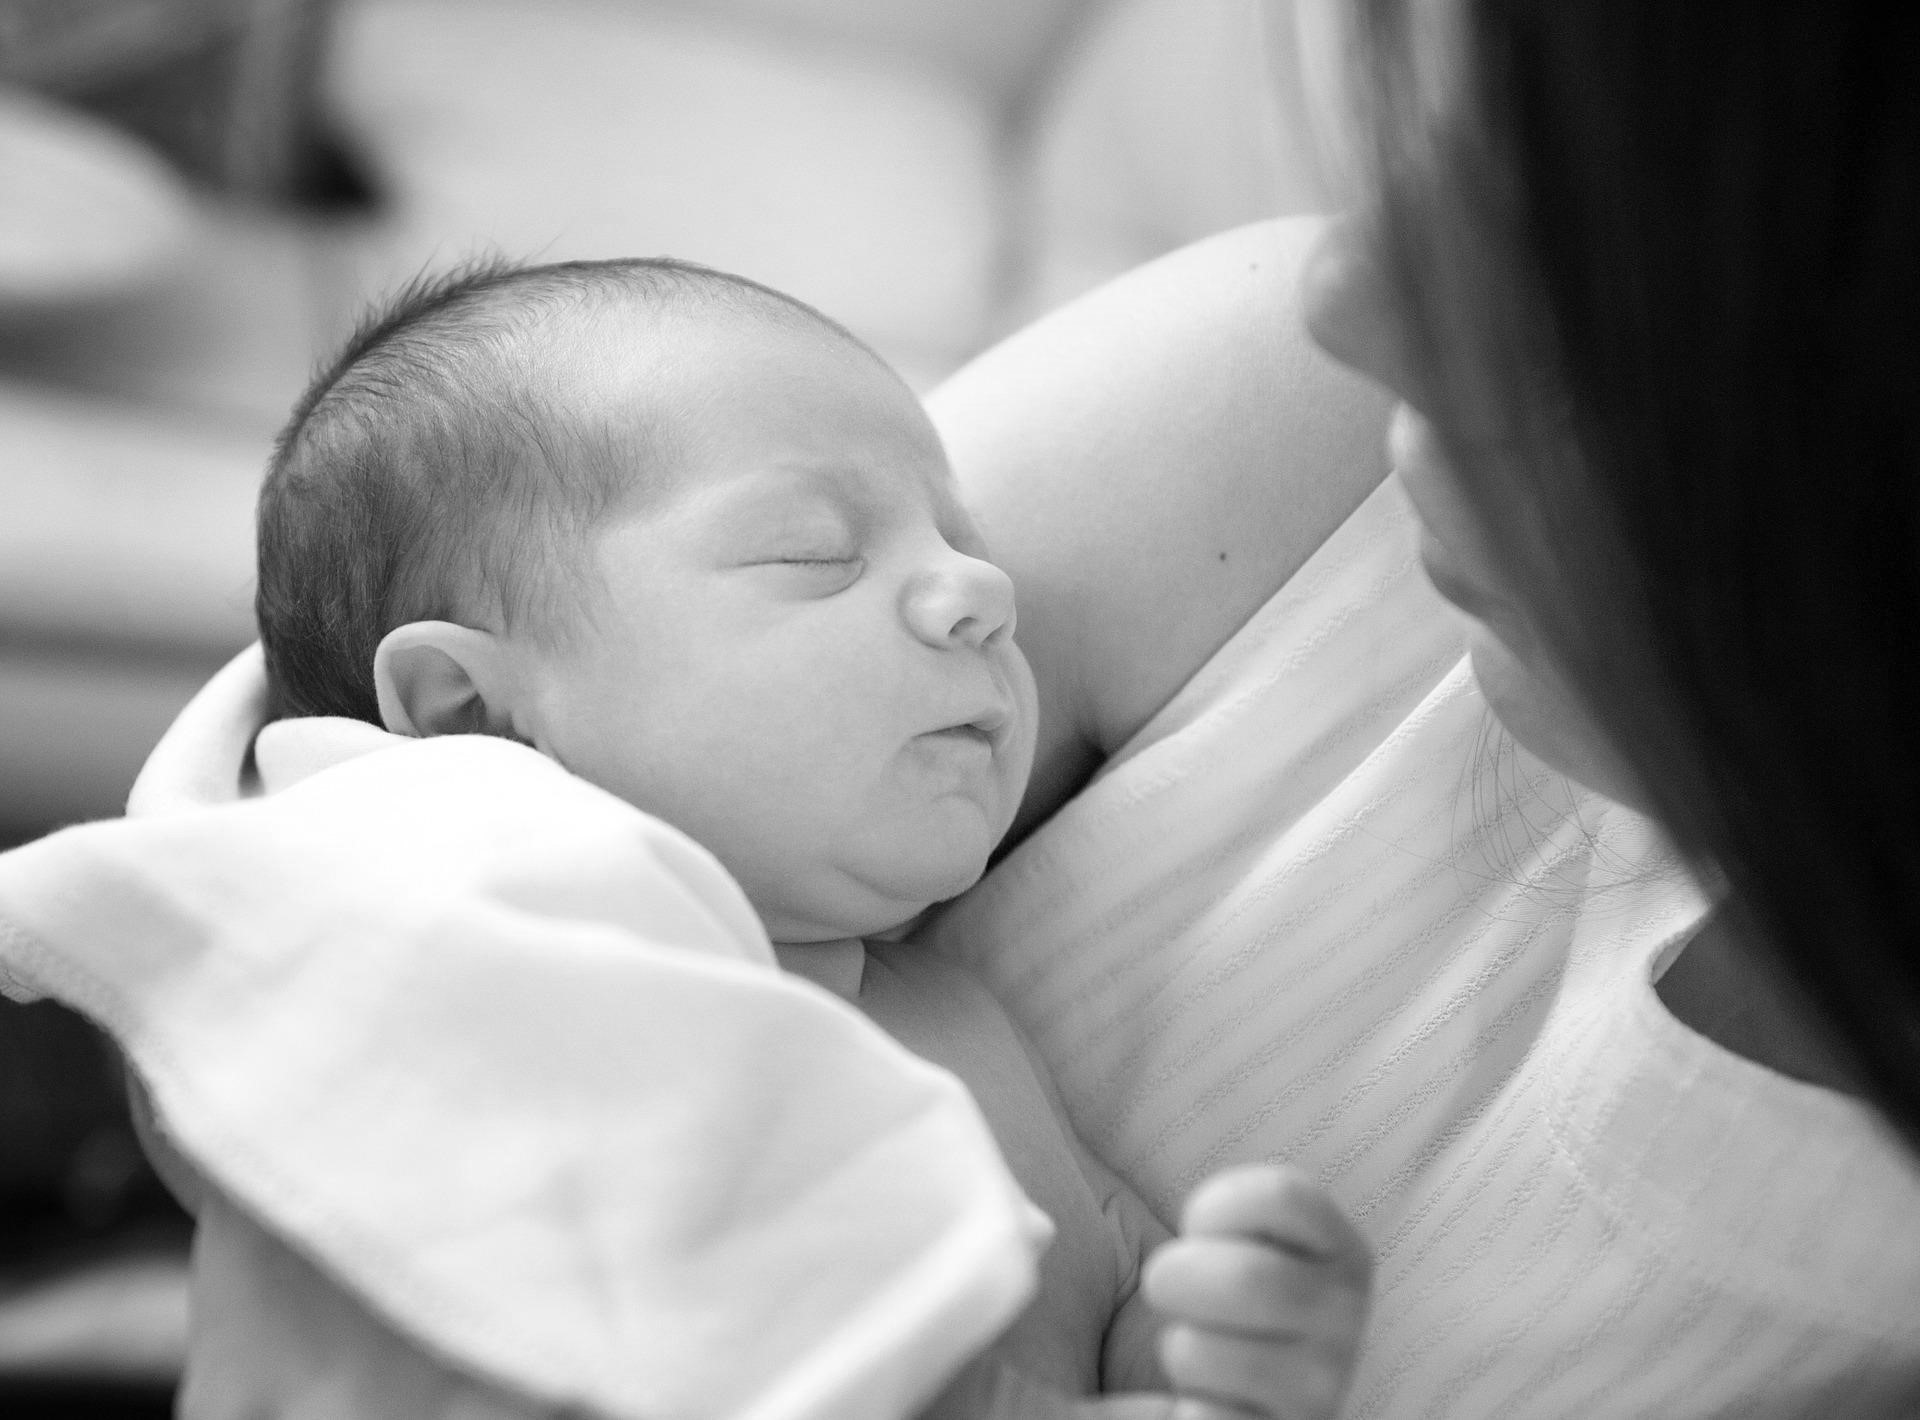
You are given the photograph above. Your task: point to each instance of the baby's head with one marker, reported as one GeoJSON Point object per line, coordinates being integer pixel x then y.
{"type": "Point", "coordinates": [684, 535]}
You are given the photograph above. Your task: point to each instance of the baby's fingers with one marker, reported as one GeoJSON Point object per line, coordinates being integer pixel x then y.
{"type": "Point", "coordinates": [1285, 1208]}
{"type": "Point", "coordinates": [1225, 1373]}
{"type": "Point", "coordinates": [1268, 1290]}
{"type": "Point", "coordinates": [1240, 1285]}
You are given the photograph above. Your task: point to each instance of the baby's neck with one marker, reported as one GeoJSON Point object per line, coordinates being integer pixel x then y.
{"type": "Point", "coordinates": [835, 966]}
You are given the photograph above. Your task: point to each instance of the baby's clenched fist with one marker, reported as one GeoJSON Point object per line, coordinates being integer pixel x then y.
{"type": "Point", "coordinates": [1266, 1292]}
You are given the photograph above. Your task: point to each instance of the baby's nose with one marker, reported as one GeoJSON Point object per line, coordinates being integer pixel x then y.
{"type": "Point", "coordinates": [964, 601]}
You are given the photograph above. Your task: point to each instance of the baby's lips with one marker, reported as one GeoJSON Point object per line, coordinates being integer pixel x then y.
{"type": "Point", "coordinates": [992, 721]}
{"type": "Point", "coordinates": [991, 717]}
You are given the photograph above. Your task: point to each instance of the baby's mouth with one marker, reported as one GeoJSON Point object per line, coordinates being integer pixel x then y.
{"type": "Point", "coordinates": [970, 733]}
{"type": "Point", "coordinates": [991, 723]}
{"type": "Point", "coordinates": [985, 728]}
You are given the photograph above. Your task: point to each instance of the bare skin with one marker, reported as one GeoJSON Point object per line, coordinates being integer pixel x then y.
{"type": "Point", "coordinates": [1153, 463]}
{"type": "Point", "coordinates": [1150, 465]}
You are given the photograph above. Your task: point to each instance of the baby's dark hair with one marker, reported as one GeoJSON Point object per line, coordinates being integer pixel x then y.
{"type": "Point", "coordinates": [433, 471]}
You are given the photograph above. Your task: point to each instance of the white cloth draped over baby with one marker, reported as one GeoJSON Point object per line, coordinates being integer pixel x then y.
{"type": "Point", "coordinates": [1318, 910]}
{"type": "Point", "coordinates": [512, 1063]}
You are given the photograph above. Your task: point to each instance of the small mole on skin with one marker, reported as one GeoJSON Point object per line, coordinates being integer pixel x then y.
{"type": "Point", "coordinates": [1223, 557]}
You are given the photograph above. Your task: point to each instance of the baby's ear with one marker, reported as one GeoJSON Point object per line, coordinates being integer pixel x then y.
{"type": "Point", "coordinates": [438, 678]}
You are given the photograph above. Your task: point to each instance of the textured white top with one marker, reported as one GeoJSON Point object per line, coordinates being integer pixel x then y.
{"type": "Point", "coordinates": [1321, 910]}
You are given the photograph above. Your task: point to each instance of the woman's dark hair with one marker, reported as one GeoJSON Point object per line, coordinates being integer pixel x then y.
{"type": "Point", "coordinates": [1678, 245]}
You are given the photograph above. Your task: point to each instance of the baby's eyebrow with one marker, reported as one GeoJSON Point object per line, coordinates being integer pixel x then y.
{"type": "Point", "coordinates": [857, 492]}
{"type": "Point", "coordinates": [836, 480]}
{"type": "Point", "coordinates": [848, 491]}
{"type": "Point", "coordinates": [746, 506]}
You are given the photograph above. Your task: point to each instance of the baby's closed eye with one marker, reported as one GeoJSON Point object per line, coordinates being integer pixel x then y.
{"type": "Point", "coordinates": [815, 559]}
{"type": "Point", "coordinates": [815, 570]}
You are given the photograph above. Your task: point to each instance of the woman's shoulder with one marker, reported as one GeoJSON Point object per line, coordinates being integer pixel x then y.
{"type": "Point", "coordinates": [1150, 464]}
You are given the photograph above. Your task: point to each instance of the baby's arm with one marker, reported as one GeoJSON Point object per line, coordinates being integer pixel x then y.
{"type": "Point", "coordinates": [1256, 1308]}
{"type": "Point", "coordinates": [1266, 1293]}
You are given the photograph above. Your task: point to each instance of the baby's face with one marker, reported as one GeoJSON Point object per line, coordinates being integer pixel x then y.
{"type": "Point", "coordinates": [800, 655]}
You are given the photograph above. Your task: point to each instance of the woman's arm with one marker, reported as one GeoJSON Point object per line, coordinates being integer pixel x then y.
{"type": "Point", "coordinates": [1150, 464]}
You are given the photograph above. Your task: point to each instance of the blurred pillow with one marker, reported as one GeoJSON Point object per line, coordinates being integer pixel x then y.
{"type": "Point", "coordinates": [1169, 121]}
{"type": "Point", "coordinates": [1001, 45]}
{"type": "Point", "coordinates": [864, 183]}
{"type": "Point", "coordinates": [90, 211]}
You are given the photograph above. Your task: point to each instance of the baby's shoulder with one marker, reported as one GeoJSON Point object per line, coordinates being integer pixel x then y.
{"type": "Point", "coordinates": [932, 1004]}
{"type": "Point", "coordinates": [944, 1013]}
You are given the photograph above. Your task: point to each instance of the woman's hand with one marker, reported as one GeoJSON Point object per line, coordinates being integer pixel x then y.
{"type": "Point", "coordinates": [1267, 1288]}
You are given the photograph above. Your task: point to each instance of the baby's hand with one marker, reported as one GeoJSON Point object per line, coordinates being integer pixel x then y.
{"type": "Point", "coordinates": [1266, 1291]}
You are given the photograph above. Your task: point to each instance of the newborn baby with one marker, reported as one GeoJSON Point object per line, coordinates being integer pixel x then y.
{"type": "Point", "coordinates": [701, 546]}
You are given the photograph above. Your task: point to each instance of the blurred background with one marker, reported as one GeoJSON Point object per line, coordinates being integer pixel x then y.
{"type": "Point", "coordinates": [198, 196]}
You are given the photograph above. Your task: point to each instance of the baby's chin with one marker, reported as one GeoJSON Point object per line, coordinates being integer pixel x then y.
{"type": "Point", "coordinates": [868, 905]}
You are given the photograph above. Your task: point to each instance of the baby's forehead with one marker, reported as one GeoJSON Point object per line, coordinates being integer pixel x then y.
{"type": "Point", "coordinates": [692, 380]}
{"type": "Point", "coordinates": [671, 321]}
{"type": "Point", "coordinates": [803, 491]}
{"type": "Point", "coordinates": [671, 358]}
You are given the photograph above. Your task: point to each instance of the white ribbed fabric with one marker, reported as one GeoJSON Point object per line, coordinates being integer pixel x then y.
{"type": "Point", "coordinates": [1318, 911]}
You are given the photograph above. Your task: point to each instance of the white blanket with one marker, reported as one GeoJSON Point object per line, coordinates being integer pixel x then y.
{"type": "Point", "coordinates": [511, 1063]}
